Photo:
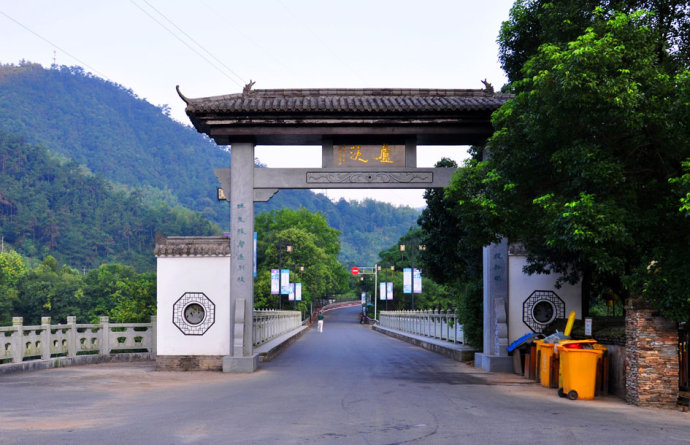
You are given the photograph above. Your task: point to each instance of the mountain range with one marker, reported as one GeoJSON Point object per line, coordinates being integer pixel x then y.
{"type": "Point", "coordinates": [130, 151]}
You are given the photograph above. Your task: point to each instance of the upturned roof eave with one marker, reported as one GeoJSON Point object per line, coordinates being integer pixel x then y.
{"type": "Point", "coordinates": [299, 116]}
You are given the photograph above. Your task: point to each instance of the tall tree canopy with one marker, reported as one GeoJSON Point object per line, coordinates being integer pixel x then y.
{"type": "Point", "coordinates": [581, 166]}
{"type": "Point", "coordinates": [533, 23]}
{"type": "Point", "coordinates": [313, 259]}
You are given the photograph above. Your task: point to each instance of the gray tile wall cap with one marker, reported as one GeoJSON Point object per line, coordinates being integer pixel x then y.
{"type": "Point", "coordinates": [181, 246]}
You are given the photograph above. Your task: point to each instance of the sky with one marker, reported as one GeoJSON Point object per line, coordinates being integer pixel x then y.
{"type": "Point", "coordinates": [215, 47]}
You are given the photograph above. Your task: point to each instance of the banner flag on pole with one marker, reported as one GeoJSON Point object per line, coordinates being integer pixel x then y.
{"type": "Point", "coordinates": [285, 281]}
{"type": "Point", "coordinates": [407, 280]}
{"type": "Point", "coordinates": [389, 290]}
{"type": "Point", "coordinates": [275, 279]}
{"type": "Point", "coordinates": [417, 281]}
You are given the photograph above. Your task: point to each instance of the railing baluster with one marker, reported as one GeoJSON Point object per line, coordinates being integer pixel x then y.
{"type": "Point", "coordinates": [429, 323]}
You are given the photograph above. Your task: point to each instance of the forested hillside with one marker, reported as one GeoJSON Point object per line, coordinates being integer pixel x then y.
{"type": "Point", "coordinates": [132, 143]}
{"type": "Point", "coordinates": [112, 132]}
{"type": "Point", "coordinates": [48, 207]}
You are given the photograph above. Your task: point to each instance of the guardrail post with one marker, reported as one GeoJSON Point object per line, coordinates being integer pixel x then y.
{"type": "Point", "coordinates": [104, 344]}
{"type": "Point", "coordinates": [45, 338]}
{"type": "Point", "coordinates": [71, 336]}
{"type": "Point", "coordinates": [17, 339]}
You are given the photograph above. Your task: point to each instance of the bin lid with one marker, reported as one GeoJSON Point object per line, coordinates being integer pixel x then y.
{"type": "Point", "coordinates": [522, 340]}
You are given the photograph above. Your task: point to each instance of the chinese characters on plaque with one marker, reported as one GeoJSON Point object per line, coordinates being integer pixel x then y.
{"type": "Point", "coordinates": [384, 155]}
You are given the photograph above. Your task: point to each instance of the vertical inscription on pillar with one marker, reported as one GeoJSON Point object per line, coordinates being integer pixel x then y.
{"type": "Point", "coordinates": [243, 248]}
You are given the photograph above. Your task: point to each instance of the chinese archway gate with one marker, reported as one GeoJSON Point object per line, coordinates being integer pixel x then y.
{"type": "Point", "coordinates": [369, 139]}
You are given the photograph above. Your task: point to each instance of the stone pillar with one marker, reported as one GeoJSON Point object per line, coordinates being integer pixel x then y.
{"type": "Point", "coordinates": [651, 356]}
{"type": "Point", "coordinates": [18, 339]}
{"type": "Point", "coordinates": [242, 357]}
{"type": "Point", "coordinates": [495, 355]}
{"type": "Point", "coordinates": [104, 343]}
{"type": "Point", "coordinates": [45, 338]}
{"type": "Point", "coordinates": [154, 336]}
{"type": "Point", "coordinates": [71, 336]}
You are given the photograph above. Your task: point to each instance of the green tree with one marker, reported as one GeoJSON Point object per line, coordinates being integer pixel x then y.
{"type": "Point", "coordinates": [12, 268]}
{"type": "Point", "coordinates": [105, 288]}
{"type": "Point", "coordinates": [452, 260]}
{"type": "Point", "coordinates": [580, 162]}
{"type": "Point", "coordinates": [50, 290]}
{"type": "Point", "coordinates": [448, 259]}
{"type": "Point", "coordinates": [135, 299]}
{"type": "Point", "coordinates": [315, 246]}
{"type": "Point", "coordinates": [533, 23]}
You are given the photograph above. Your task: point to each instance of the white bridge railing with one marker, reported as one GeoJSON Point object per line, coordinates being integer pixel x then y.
{"type": "Point", "coordinates": [435, 324]}
{"type": "Point", "coordinates": [19, 343]}
{"type": "Point", "coordinates": [269, 324]}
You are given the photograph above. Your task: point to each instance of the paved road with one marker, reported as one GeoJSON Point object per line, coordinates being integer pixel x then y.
{"type": "Point", "coordinates": [343, 386]}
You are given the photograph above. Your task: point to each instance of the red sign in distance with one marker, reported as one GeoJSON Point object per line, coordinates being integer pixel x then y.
{"type": "Point", "coordinates": [355, 270]}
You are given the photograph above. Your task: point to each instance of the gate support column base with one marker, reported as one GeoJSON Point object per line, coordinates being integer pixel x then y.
{"type": "Point", "coordinates": [493, 363]}
{"type": "Point", "coordinates": [240, 364]}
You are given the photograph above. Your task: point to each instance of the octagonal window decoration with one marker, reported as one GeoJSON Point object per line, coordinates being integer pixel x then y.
{"type": "Point", "coordinates": [541, 308]}
{"type": "Point", "coordinates": [194, 313]}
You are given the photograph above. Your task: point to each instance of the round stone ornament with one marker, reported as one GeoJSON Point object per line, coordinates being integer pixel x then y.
{"type": "Point", "coordinates": [194, 313]}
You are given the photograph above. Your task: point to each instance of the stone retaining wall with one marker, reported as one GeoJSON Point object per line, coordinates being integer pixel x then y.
{"type": "Point", "coordinates": [651, 358]}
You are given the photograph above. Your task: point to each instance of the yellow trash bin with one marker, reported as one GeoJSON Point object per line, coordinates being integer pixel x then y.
{"type": "Point", "coordinates": [578, 366]}
{"type": "Point", "coordinates": [544, 352]}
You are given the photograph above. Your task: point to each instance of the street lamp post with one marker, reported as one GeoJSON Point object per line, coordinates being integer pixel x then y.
{"type": "Point", "coordinates": [402, 250]}
{"type": "Point", "coordinates": [376, 299]}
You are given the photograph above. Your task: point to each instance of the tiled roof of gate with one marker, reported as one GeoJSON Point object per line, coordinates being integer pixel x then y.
{"type": "Point", "coordinates": [348, 101]}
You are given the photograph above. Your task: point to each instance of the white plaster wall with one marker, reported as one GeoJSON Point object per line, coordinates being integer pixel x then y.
{"type": "Point", "coordinates": [521, 285]}
{"type": "Point", "coordinates": [177, 275]}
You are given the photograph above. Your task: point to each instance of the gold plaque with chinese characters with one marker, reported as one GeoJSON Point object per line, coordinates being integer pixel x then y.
{"type": "Point", "coordinates": [379, 156]}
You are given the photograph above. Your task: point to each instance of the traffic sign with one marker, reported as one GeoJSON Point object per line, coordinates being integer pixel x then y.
{"type": "Point", "coordinates": [355, 270]}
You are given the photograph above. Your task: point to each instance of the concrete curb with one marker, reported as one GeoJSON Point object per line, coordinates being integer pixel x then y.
{"type": "Point", "coordinates": [61, 362]}
{"type": "Point", "coordinates": [268, 351]}
{"type": "Point", "coordinates": [457, 352]}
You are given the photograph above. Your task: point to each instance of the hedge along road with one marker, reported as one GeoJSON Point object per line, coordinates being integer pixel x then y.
{"type": "Point", "coordinates": [345, 385]}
